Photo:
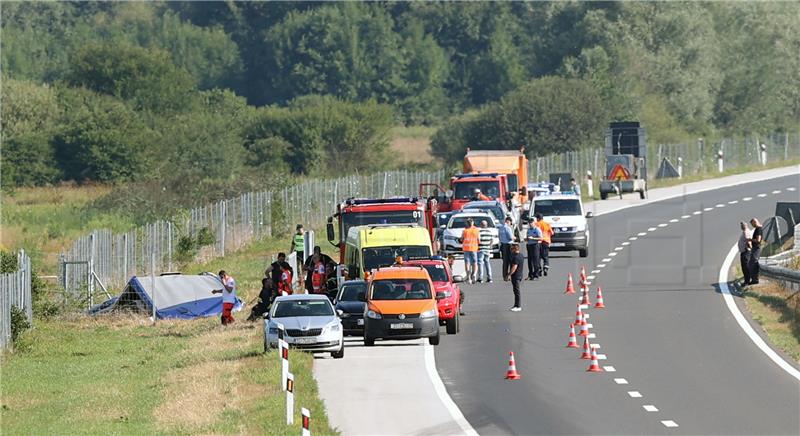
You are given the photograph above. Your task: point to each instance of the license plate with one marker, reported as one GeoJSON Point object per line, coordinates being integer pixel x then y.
{"type": "Point", "coordinates": [402, 325]}
{"type": "Point", "coordinates": [557, 244]}
{"type": "Point", "coordinates": [305, 340]}
{"type": "Point", "coordinates": [360, 321]}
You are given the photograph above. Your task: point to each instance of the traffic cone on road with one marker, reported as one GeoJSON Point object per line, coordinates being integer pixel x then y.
{"type": "Point", "coordinates": [595, 365]}
{"type": "Point", "coordinates": [599, 303]}
{"type": "Point", "coordinates": [584, 327]}
{"type": "Point", "coordinates": [583, 276]}
{"type": "Point", "coordinates": [512, 373]}
{"type": "Point", "coordinates": [579, 316]}
{"type": "Point", "coordinates": [587, 352]}
{"type": "Point", "coordinates": [573, 342]}
{"type": "Point", "coordinates": [570, 287]}
{"type": "Point", "coordinates": [585, 296]}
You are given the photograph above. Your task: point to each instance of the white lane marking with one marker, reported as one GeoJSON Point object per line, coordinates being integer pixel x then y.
{"type": "Point", "coordinates": [641, 233]}
{"type": "Point", "coordinates": [733, 201]}
{"type": "Point", "coordinates": [761, 195]}
{"type": "Point", "coordinates": [591, 336]}
{"type": "Point", "coordinates": [777, 191]}
{"type": "Point", "coordinates": [650, 408]}
{"type": "Point", "coordinates": [595, 346]}
{"type": "Point", "coordinates": [669, 423]}
{"type": "Point", "coordinates": [651, 229]}
{"type": "Point", "coordinates": [748, 329]}
{"type": "Point", "coordinates": [589, 326]}
{"type": "Point", "coordinates": [790, 189]}
{"type": "Point", "coordinates": [582, 306]}
{"type": "Point", "coordinates": [589, 277]}
{"type": "Point", "coordinates": [634, 394]}
{"type": "Point", "coordinates": [620, 381]}
{"type": "Point", "coordinates": [747, 198]}
{"type": "Point", "coordinates": [662, 225]}
{"type": "Point", "coordinates": [595, 271]}
{"type": "Point", "coordinates": [633, 238]}
{"type": "Point", "coordinates": [609, 369]}
{"type": "Point", "coordinates": [601, 357]}
{"type": "Point", "coordinates": [618, 249]}
{"type": "Point", "coordinates": [444, 397]}
{"type": "Point", "coordinates": [674, 220]}
{"type": "Point", "coordinates": [719, 205]}
{"type": "Point", "coordinates": [607, 259]}
{"type": "Point", "coordinates": [706, 209]}
{"type": "Point", "coordinates": [626, 243]}
{"type": "Point", "coordinates": [602, 265]}
{"type": "Point", "coordinates": [612, 254]}
{"type": "Point", "coordinates": [685, 216]}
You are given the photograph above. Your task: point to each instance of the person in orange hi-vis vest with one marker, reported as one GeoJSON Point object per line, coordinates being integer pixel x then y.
{"type": "Point", "coordinates": [285, 285]}
{"type": "Point", "coordinates": [544, 247]}
{"type": "Point", "coordinates": [317, 274]}
{"type": "Point", "coordinates": [469, 242]}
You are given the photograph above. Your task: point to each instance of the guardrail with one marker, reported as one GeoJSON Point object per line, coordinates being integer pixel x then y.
{"type": "Point", "coordinates": [772, 267]}
{"type": "Point", "coordinates": [15, 290]}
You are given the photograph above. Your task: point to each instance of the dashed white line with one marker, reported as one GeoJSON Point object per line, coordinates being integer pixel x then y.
{"type": "Point", "coordinates": [674, 220]}
{"type": "Point", "coordinates": [777, 191]}
{"type": "Point", "coordinates": [595, 271]}
{"type": "Point", "coordinates": [597, 346]}
{"type": "Point", "coordinates": [612, 254]}
{"type": "Point", "coordinates": [651, 229]}
{"type": "Point", "coordinates": [601, 357]}
{"type": "Point", "coordinates": [606, 260]}
{"type": "Point", "coordinates": [634, 394]}
{"type": "Point", "coordinates": [589, 277]}
{"type": "Point", "coordinates": [620, 381]}
{"type": "Point", "coordinates": [706, 209]}
{"type": "Point", "coordinates": [662, 225]}
{"type": "Point", "coordinates": [633, 238]}
{"type": "Point", "coordinates": [697, 212]}
{"type": "Point", "coordinates": [791, 189]}
{"type": "Point", "coordinates": [762, 195]}
{"type": "Point", "coordinates": [618, 249]}
{"type": "Point", "coordinates": [747, 198]}
{"type": "Point", "coordinates": [591, 336]}
{"type": "Point", "coordinates": [719, 205]}
{"type": "Point", "coordinates": [626, 243]}
{"type": "Point", "coordinates": [669, 423]}
{"type": "Point", "coordinates": [609, 369]}
{"type": "Point", "coordinates": [685, 216]}
{"type": "Point", "coordinates": [602, 265]}
{"type": "Point", "coordinates": [641, 233]}
{"type": "Point", "coordinates": [650, 408]}
{"type": "Point", "coordinates": [733, 201]}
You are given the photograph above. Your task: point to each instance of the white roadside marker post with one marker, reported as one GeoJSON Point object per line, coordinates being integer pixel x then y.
{"type": "Point", "coordinates": [306, 421]}
{"type": "Point", "coordinates": [290, 399]}
{"type": "Point", "coordinates": [763, 148]}
{"type": "Point", "coordinates": [720, 161]}
{"type": "Point", "coordinates": [284, 363]}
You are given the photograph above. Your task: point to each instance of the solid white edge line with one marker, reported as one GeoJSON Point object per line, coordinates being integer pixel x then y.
{"type": "Point", "coordinates": [441, 392]}
{"type": "Point", "coordinates": [737, 315]}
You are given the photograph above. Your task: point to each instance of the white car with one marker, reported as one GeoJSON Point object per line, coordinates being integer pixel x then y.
{"type": "Point", "coordinates": [455, 229]}
{"type": "Point", "coordinates": [564, 212]}
{"type": "Point", "coordinates": [310, 323]}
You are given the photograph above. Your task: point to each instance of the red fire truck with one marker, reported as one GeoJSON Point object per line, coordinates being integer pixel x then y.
{"type": "Point", "coordinates": [362, 211]}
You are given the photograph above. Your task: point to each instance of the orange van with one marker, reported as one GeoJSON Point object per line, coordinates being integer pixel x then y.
{"type": "Point", "coordinates": [401, 304]}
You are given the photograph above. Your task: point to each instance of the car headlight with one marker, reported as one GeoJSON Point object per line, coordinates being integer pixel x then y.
{"type": "Point", "coordinates": [450, 238]}
{"type": "Point", "coordinates": [581, 228]}
{"type": "Point", "coordinates": [428, 314]}
{"type": "Point", "coordinates": [332, 328]}
{"type": "Point", "coordinates": [374, 315]}
{"type": "Point", "coordinates": [446, 294]}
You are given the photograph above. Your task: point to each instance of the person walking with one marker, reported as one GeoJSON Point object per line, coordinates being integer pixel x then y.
{"type": "Point", "coordinates": [297, 246]}
{"type": "Point", "coordinates": [544, 247]}
{"type": "Point", "coordinates": [756, 241]}
{"type": "Point", "coordinates": [506, 234]}
{"type": "Point", "coordinates": [533, 239]}
{"type": "Point", "coordinates": [517, 265]}
{"type": "Point", "coordinates": [469, 243]}
{"type": "Point", "coordinates": [228, 292]}
{"type": "Point", "coordinates": [744, 250]}
{"type": "Point", "coordinates": [485, 252]}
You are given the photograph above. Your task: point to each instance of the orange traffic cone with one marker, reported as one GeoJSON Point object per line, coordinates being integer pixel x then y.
{"type": "Point", "coordinates": [595, 365]}
{"type": "Point", "coordinates": [512, 373]}
{"type": "Point", "coordinates": [570, 287]}
{"type": "Point", "coordinates": [587, 353]}
{"type": "Point", "coordinates": [582, 279]}
{"type": "Point", "coordinates": [599, 303]}
{"type": "Point", "coordinates": [585, 297]}
{"type": "Point", "coordinates": [584, 327]}
{"type": "Point", "coordinates": [578, 316]}
{"type": "Point", "coordinates": [573, 342]}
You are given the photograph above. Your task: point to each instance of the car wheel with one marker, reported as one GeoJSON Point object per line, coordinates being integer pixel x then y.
{"type": "Point", "coordinates": [583, 252]}
{"type": "Point", "coordinates": [369, 342]}
{"type": "Point", "coordinates": [434, 340]}
{"type": "Point", "coordinates": [338, 354]}
{"type": "Point", "coordinates": [452, 325]}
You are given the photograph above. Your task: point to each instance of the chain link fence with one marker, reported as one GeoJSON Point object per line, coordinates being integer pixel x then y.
{"type": "Point", "coordinates": [696, 158]}
{"type": "Point", "coordinates": [15, 290]}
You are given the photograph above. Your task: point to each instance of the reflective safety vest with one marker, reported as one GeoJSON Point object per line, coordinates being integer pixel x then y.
{"type": "Point", "coordinates": [547, 231]}
{"type": "Point", "coordinates": [318, 277]}
{"type": "Point", "coordinates": [471, 239]}
{"type": "Point", "coordinates": [285, 285]}
{"type": "Point", "coordinates": [298, 242]}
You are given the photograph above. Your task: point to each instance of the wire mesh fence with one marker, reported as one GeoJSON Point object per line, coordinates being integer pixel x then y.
{"type": "Point", "coordinates": [15, 290]}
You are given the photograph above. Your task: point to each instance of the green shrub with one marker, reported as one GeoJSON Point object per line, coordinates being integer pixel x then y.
{"type": "Point", "coordinates": [205, 237]}
{"type": "Point", "coordinates": [19, 323]}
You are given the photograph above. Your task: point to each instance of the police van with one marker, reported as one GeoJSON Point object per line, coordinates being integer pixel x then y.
{"type": "Point", "coordinates": [564, 212]}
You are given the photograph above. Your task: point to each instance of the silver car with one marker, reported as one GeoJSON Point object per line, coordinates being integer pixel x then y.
{"type": "Point", "coordinates": [310, 323]}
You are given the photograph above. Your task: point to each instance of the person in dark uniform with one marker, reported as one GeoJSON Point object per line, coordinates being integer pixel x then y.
{"type": "Point", "coordinates": [516, 272]}
{"type": "Point", "coordinates": [756, 241]}
{"type": "Point", "coordinates": [265, 298]}
{"type": "Point", "coordinates": [274, 271]}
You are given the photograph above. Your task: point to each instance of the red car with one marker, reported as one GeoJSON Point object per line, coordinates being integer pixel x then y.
{"type": "Point", "coordinates": [448, 294]}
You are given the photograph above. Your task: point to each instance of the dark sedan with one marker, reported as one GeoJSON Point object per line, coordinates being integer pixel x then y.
{"type": "Point", "coordinates": [350, 303]}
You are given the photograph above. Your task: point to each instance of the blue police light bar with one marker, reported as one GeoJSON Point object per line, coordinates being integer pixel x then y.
{"type": "Point", "coordinates": [362, 201]}
{"type": "Point", "coordinates": [466, 176]}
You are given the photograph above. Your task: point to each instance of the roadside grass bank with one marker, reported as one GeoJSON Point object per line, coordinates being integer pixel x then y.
{"type": "Point", "coordinates": [411, 144]}
{"type": "Point", "coordinates": [778, 313]}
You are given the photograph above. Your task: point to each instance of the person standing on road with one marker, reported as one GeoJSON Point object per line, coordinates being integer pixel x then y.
{"type": "Point", "coordinates": [517, 265]}
{"type": "Point", "coordinates": [228, 292]}
{"type": "Point", "coordinates": [744, 251]}
{"type": "Point", "coordinates": [506, 234]}
{"type": "Point", "coordinates": [756, 240]}
{"type": "Point", "coordinates": [469, 243]}
{"type": "Point", "coordinates": [298, 241]}
{"type": "Point", "coordinates": [533, 239]}
{"type": "Point", "coordinates": [544, 247]}
{"type": "Point", "coordinates": [485, 252]}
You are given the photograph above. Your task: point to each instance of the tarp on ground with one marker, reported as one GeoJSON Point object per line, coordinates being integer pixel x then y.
{"type": "Point", "coordinates": [176, 296]}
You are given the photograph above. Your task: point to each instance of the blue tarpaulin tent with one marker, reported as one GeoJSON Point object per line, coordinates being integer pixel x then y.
{"type": "Point", "coordinates": [176, 296]}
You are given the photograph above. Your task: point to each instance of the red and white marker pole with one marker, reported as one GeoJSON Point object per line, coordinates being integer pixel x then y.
{"type": "Point", "coordinates": [306, 421]}
{"type": "Point", "coordinates": [290, 399]}
{"type": "Point", "coordinates": [284, 363]}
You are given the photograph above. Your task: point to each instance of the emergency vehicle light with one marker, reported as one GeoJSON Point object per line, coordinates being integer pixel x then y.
{"type": "Point", "coordinates": [466, 176]}
{"type": "Point", "coordinates": [360, 201]}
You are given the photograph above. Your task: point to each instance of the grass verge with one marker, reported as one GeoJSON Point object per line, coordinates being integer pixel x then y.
{"type": "Point", "coordinates": [778, 313]}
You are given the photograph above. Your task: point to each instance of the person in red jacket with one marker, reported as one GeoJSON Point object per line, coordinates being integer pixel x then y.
{"type": "Point", "coordinates": [317, 274]}
{"type": "Point", "coordinates": [285, 285]}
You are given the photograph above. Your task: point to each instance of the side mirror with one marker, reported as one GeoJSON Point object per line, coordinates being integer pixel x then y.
{"type": "Point", "coordinates": [339, 312]}
{"type": "Point", "coordinates": [458, 279]}
{"type": "Point", "coordinates": [266, 315]}
{"type": "Point", "coordinates": [589, 214]}
{"type": "Point", "coordinates": [440, 295]}
{"type": "Point", "coordinates": [331, 233]}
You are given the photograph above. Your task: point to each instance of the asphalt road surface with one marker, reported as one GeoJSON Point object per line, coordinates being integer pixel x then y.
{"type": "Point", "coordinates": [681, 364]}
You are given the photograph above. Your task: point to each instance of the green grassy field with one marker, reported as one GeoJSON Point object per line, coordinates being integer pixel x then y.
{"type": "Point", "coordinates": [778, 315]}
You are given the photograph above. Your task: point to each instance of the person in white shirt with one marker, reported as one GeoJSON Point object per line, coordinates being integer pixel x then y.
{"type": "Point", "coordinates": [228, 297]}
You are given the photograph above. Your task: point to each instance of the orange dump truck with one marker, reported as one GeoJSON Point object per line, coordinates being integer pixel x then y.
{"type": "Point", "coordinates": [512, 163]}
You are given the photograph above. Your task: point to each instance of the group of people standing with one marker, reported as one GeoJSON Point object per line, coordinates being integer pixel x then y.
{"type": "Point", "coordinates": [537, 246]}
{"type": "Point", "coordinates": [476, 242]}
{"type": "Point", "coordinates": [750, 242]}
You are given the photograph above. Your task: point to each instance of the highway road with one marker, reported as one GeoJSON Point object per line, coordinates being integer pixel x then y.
{"type": "Point", "coordinates": [681, 363]}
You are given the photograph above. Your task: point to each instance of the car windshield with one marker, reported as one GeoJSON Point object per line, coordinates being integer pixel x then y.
{"type": "Point", "coordinates": [292, 308]}
{"type": "Point", "coordinates": [497, 211]}
{"type": "Point", "coordinates": [353, 291]}
{"type": "Point", "coordinates": [460, 222]}
{"type": "Point", "coordinates": [466, 190]}
{"type": "Point", "coordinates": [386, 256]}
{"type": "Point", "coordinates": [437, 272]}
{"type": "Point", "coordinates": [382, 217]}
{"type": "Point", "coordinates": [401, 289]}
{"type": "Point", "coordinates": [560, 207]}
